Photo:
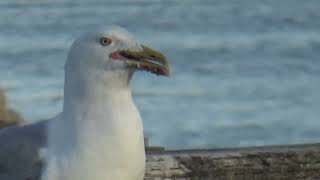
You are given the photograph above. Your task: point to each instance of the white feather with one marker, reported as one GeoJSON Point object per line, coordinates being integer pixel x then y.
{"type": "Point", "coordinates": [99, 134]}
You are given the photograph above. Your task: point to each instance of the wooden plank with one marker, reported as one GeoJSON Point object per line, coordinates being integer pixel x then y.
{"type": "Point", "coordinates": [287, 162]}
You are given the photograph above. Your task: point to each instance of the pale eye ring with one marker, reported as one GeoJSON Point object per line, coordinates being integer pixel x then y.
{"type": "Point", "coordinates": [105, 41]}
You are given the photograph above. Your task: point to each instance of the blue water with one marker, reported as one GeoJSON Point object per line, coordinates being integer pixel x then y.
{"type": "Point", "coordinates": [244, 73]}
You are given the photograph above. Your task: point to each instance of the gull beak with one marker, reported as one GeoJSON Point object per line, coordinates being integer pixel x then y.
{"type": "Point", "coordinates": [147, 59]}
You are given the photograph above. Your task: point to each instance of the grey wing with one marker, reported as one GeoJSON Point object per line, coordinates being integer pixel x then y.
{"type": "Point", "coordinates": [20, 148]}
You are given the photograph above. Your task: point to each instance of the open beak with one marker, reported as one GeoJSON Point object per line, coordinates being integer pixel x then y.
{"type": "Point", "coordinates": [147, 59]}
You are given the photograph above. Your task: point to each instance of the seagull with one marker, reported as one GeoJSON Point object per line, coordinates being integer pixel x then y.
{"type": "Point", "coordinates": [99, 133]}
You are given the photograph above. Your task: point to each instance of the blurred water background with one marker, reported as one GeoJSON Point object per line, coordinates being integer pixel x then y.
{"type": "Point", "coordinates": [244, 72]}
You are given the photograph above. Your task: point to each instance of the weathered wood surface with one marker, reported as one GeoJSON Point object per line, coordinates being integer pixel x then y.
{"type": "Point", "coordinates": [295, 162]}
{"type": "Point", "coordinates": [20, 160]}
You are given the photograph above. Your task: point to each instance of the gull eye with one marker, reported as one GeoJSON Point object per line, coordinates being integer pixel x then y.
{"type": "Point", "coordinates": [105, 41]}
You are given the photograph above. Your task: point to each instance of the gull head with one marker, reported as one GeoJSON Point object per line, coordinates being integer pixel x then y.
{"type": "Point", "coordinates": [113, 51]}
